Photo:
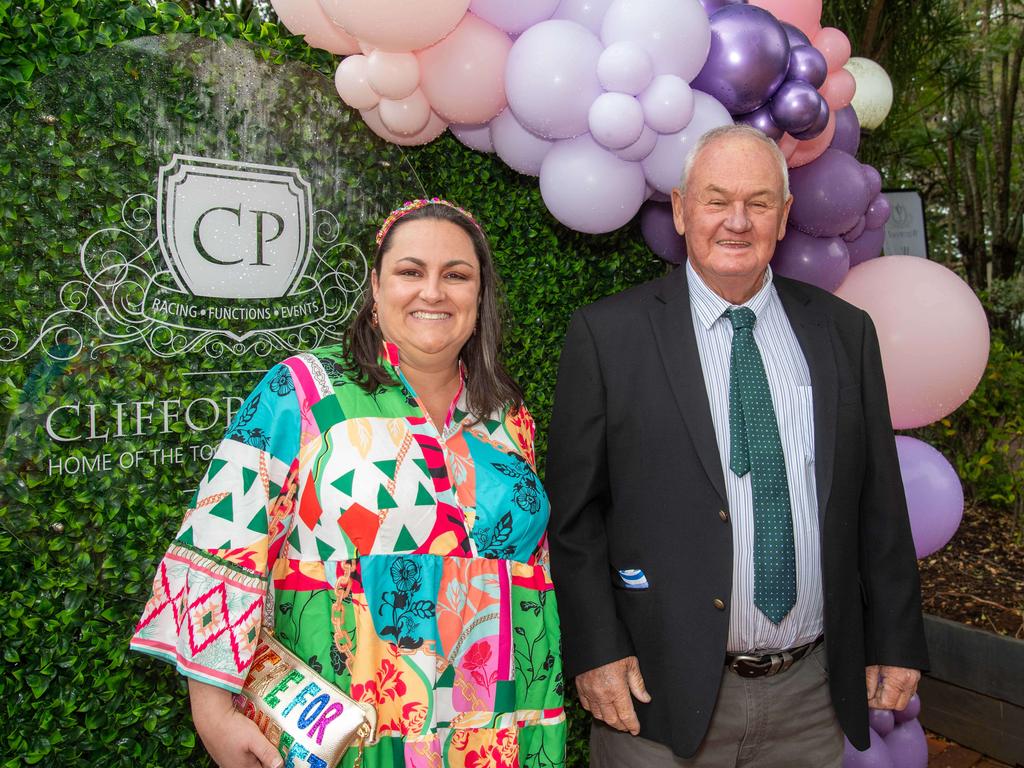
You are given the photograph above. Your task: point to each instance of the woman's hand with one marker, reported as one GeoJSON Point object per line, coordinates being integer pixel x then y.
{"type": "Point", "coordinates": [232, 739]}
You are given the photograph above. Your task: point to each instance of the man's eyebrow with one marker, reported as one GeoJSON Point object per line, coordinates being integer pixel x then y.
{"type": "Point", "coordinates": [716, 190]}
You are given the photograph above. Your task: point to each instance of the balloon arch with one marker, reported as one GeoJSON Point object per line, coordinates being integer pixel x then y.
{"type": "Point", "coordinates": [603, 99]}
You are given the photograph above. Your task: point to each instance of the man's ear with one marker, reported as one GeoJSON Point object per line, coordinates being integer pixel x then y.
{"type": "Point", "coordinates": [785, 217]}
{"type": "Point", "coordinates": [677, 210]}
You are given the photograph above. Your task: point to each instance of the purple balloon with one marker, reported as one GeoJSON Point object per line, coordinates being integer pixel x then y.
{"type": "Point", "coordinates": [521, 150]}
{"type": "Point", "coordinates": [761, 118]}
{"type": "Point", "coordinates": [857, 231]}
{"type": "Point", "coordinates": [659, 231]}
{"type": "Point", "coordinates": [819, 124]}
{"type": "Point", "coordinates": [877, 213]}
{"type": "Point", "coordinates": [476, 137]}
{"type": "Point", "coordinates": [875, 756]}
{"type": "Point", "coordinates": [908, 746]}
{"type": "Point", "coordinates": [829, 194]}
{"type": "Point", "coordinates": [847, 135]}
{"type": "Point", "coordinates": [795, 106]}
{"type": "Point", "coordinates": [867, 246]}
{"type": "Point", "coordinates": [714, 6]}
{"type": "Point", "coordinates": [794, 35]}
{"type": "Point", "coordinates": [874, 179]}
{"type": "Point", "coordinates": [820, 261]}
{"type": "Point", "coordinates": [910, 712]}
{"type": "Point", "coordinates": [748, 59]}
{"type": "Point", "coordinates": [881, 721]}
{"type": "Point", "coordinates": [806, 63]}
{"type": "Point", "coordinates": [935, 497]}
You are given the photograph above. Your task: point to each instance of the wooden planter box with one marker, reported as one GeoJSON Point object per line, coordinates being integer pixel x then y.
{"type": "Point", "coordinates": [974, 692]}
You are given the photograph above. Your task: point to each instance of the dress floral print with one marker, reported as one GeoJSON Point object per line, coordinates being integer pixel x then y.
{"type": "Point", "coordinates": [409, 566]}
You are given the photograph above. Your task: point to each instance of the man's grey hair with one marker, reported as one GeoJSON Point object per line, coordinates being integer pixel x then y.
{"type": "Point", "coordinates": [738, 130]}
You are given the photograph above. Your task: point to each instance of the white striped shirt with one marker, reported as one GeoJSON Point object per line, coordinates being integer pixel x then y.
{"type": "Point", "coordinates": [790, 384]}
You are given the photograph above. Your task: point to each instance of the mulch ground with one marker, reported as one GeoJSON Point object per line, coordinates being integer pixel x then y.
{"type": "Point", "coordinates": [978, 578]}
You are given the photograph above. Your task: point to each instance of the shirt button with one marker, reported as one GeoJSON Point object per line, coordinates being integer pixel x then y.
{"type": "Point", "coordinates": [724, 515]}
{"type": "Point", "coordinates": [719, 604]}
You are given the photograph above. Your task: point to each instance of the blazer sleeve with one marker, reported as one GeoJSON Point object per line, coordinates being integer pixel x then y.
{"type": "Point", "coordinates": [893, 627]}
{"type": "Point", "coordinates": [578, 486]}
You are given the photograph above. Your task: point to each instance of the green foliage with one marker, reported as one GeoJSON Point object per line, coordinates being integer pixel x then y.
{"type": "Point", "coordinates": [78, 551]}
{"type": "Point", "coordinates": [984, 438]}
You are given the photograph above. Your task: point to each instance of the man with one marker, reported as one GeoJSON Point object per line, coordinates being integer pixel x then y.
{"type": "Point", "coordinates": [725, 493]}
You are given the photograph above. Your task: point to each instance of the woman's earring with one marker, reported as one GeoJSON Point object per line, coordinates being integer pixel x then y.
{"type": "Point", "coordinates": [373, 316]}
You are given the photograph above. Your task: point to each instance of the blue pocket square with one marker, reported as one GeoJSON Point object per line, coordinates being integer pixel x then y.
{"type": "Point", "coordinates": [633, 578]}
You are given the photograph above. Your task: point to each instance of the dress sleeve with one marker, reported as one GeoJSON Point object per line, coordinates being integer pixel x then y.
{"type": "Point", "coordinates": [206, 607]}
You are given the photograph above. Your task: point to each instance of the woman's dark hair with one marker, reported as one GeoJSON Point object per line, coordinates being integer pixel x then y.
{"type": "Point", "coordinates": [488, 385]}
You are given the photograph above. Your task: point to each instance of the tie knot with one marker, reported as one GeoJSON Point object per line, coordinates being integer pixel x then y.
{"type": "Point", "coordinates": [741, 317]}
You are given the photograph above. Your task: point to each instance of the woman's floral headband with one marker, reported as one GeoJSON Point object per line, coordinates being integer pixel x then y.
{"type": "Point", "coordinates": [414, 205]}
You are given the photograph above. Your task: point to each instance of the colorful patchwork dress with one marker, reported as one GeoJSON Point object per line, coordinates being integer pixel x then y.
{"type": "Point", "coordinates": [410, 568]}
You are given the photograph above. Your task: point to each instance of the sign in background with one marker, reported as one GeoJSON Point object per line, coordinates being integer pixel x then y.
{"type": "Point", "coordinates": [906, 233]}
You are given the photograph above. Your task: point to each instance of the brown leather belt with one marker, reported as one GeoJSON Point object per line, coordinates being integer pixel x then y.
{"type": "Point", "coordinates": [768, 664]}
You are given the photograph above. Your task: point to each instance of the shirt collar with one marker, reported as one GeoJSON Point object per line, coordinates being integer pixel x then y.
{"type": "Point", "coordinates": [391, 358]}
{"type": "Point", "coordinates": [708, 306]}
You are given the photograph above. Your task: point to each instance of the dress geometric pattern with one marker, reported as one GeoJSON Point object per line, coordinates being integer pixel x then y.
{"type": "Point", "coordinates": [409, 566]}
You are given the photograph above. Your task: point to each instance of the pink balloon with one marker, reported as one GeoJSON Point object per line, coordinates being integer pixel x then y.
{"type": "Point", "coordinates": [932, 331]}
{"type": "Point", "coordinates": [838, 89]}
{"type": "Point", "coordinates": [805, 15]}
{"type": "Point", "coordinates": [834, 46]}
{"type": "Point", "coordinates": [463, 76]}
{"type": "Point", "coordinates": [812, 149]}
{"type": "Point", "coordinates": [352, 81]}
{"type": "Point", "coordinates": [434, 128]}
{"type": "Point", "coordinates": [393, 75]}
{"type": "Point", "coordinates": [396, 25]}
{"type": "Point", "coordinates": [306, 18]}
{"type": "Point", "coordinates": [789, 146]}
{"type": "Point", "coordinates": [406, 116]}
{"type": "Point", "coordinates": [514, 17]}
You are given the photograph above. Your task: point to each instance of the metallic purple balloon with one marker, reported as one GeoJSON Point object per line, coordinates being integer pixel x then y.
{"type": "Point", "coordinates": [795, 106]}
{"type": "Point", "coordinates": [847, 136]}
{"type": "Point", "coordinates": [806, 63]}
{"type": "Point", "coordinates": [820, 122]}
{"type": "Point", "coordinates": [713, 6]}
{"type": "Point", "coordinates": [748, 59]}
{"type": "Point", "coordinates": [761, 118]}
{"type": "Point", "coordinates": [853, 234]}
{"type": "Point", "coordinates": [874, 179]}
{"type": "Point", "coordinates": [829, 194]}
{"type": "Point", "coordinates": [659, 231]}
{"type": "Point", "coordinates": [794, 35]}
{"type": "Point", "coordinates": [820, 261]}
{"type": "Point", "coordinates": [908, 745]}
{"type": "Point", "coordinates": [877, 213]}
{"type": "Point", "coordinates": [867, 246]}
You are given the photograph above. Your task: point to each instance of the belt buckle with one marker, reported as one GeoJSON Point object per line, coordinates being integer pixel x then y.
{"type": "Point", "coordinates": [756, 662]}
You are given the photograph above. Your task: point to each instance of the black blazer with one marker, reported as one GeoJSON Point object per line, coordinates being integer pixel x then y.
{"type": "Point", "coordinates": [635, 481]}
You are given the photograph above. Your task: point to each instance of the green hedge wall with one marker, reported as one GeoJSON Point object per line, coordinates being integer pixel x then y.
{"type": "Point", "coordinates": [76, 559]}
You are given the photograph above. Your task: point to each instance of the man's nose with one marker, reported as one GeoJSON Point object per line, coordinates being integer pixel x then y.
{"type": "Point", "coordinates": [737, 219]}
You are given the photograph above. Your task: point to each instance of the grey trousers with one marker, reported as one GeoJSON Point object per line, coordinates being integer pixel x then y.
{"type": "Point", "coordinates": [784, 721]}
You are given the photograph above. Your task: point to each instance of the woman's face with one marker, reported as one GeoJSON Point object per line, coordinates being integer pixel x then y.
{"type": "Point", "coordinates": [428, 292]}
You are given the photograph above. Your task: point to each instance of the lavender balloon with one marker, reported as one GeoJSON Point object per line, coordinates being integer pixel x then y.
{"type": "Point", "coordinates": [910, 712]}
{"type": "Point", "coordinates": [874, 179]}
{"type": "Point", "coordinates": [847, 135]}
{"type": "Point", "coordinates": [748, 59]}
{"type": "Point", "coordinates": [521, 150]}
{"type": "Point", "coordinates": [476, 137]}
{"type": "Point", "coordinates": [877, 213]}
{"type": "Point", "coordinates": [819, 124]}
{"type": "Point", "coordinates": [908, 746]}
{"type": "Point", "coordinates": [867, 246]}
{"type": "Point", "coordinates": [875, 756]}
{"type": "Point", "coordinates": [935, 497]}
{"type": "Point", "coordinates": [829, 194]}
{"type": "Point", "coordinates": [761, 118]}
{"type": "Point", "coordinates": [857, 231]}
{"type": "Point", "coordinates": [820, 261]}
{"type": "Point", "coordinates": [665, 162]}
{"type": "Point", "coordinates": [794, 34]}
{"type": "Point", "coordinates": [795, 106]}
{"type": "Point", "coordinates": [881, 721]}
{"type": "Point", "coordinates": [659, 231]}
{"type": "Point", "coordinates": [806, 63]}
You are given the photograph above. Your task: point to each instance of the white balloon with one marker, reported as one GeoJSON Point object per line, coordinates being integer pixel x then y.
{"type": "Point", "coordinates": [353, 83]}
{"type": "Point", "coordinates": [664, 166]}
{"type": "Point", "coordinates": [675, 33]}
{"type": "Point", "coordinates": [589, 13]}
{"type": "Point", "coordinates": [616, 120]}
{"type": "Point", "coordinates": [521, 150]}
{"type": "Point", "coordinates": [393, 75]}
{"type": "Point", "coordinates": [873, 98]}
{"type": "Point", "coordinates": [667, 104]}
{"type": "Point", "coordinates": [625, 67]}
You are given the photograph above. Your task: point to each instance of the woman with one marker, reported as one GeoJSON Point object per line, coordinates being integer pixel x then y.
{"type": "Point", "coordinates": [388, 486]}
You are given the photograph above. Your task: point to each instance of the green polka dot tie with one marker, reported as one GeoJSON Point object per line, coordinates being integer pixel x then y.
{"type": "Point", "coordinates": [756, 448]}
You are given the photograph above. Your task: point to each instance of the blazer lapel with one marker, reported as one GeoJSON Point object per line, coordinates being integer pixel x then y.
{"type": "Point", "coordinates": [812, 330]}
{"type": "Point", "coordinates": [673, 331]}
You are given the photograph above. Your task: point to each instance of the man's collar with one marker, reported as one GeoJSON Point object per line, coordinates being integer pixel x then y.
{"type": "Point", "coordinates": [709, 306]}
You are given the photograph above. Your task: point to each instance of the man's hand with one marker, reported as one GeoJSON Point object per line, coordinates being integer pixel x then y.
{"type": "Point", "coordinates": [890, 687]}
{"type": "Point", "coordinates": [606, 692]}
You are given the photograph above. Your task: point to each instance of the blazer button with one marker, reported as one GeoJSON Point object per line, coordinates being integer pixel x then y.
{"type": "Point", "coordinates": [724, 515]}
{"type": "Point", "coordinates": [719, 604]}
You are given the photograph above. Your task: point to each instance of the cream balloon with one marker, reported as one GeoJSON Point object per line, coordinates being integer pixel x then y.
{"type": "Point", "coordinates": [307, 18]}
{"type": "Point", "coordinates": [434, 128]}
{"type": "Point", "coordinates": [353, 83]}
{"type": "Point", "coordinates": [407, 116]}
{"type": "Point", "coordinates": [396, 25]}
{"type": "Point", "coordinates": [393, 75]}
{"type": "Point", "coordinates": [873, 98]}
{"type": "Point", "coordinates": [932, 332]}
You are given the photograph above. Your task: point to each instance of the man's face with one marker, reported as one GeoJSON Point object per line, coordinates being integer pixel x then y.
{"type": "Point", "coordinates": [732, 215]}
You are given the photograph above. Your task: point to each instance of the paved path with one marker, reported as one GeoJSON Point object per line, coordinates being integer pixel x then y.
{"type": "Point", "coordinates": [946, 754]}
